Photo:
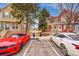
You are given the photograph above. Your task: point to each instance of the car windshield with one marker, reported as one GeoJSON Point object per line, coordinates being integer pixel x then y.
{"type": "Point", "coordinates": [14, 36]}
{"type": "Point", "coordinates": [74, 37]}
{"type": "Point", "coordinates": [18, 35]}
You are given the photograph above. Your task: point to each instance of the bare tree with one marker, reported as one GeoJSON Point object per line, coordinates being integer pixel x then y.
{"type": "Point", "coordinates": [71, 12]}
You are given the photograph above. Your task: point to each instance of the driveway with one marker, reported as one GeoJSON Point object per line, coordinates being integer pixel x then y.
{"type": "Point", "coordinates": [40, 47]}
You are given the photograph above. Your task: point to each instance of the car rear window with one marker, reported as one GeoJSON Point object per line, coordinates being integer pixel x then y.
{"type": "Point", "coordinates": [74, 37]}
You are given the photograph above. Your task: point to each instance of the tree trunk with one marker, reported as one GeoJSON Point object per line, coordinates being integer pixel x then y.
{"type": "Point", "coordinates": [20, 27]}
{"type": "Point", "coordinates": [69, 27]}
{"type": "Point", "coordinates": [26, 26]}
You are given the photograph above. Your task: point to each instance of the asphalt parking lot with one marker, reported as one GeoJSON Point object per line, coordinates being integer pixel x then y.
{"type": "Point", "coordinates": [40, 47]}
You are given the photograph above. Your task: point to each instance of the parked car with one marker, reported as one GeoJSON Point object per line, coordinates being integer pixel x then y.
{"type": "Point", "coordinates": [13, 43]}
{"type": "Point", "coordinates": [77, 36]}
{"type": "Point", "coordinates": [68, 43]}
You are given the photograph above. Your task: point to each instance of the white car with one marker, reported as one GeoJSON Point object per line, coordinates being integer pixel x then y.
{"type": "Point", "coordinates": [68, 43]}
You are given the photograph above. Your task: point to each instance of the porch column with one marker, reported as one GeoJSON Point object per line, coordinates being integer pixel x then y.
{"type": "Point", "coordinates": [4, 25]}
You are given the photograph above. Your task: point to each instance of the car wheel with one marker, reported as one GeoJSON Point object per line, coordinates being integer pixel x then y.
{"type": "Point", "coordinates": [21, 46]}
{"type": "Point", "coordinates": [63, 50]}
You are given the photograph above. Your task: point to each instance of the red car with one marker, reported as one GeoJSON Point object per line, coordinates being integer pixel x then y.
{"type": "Point", "coordinates": [13, 43]}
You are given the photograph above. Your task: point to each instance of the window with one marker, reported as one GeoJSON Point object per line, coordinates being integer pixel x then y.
{"type": "Point", "coordinates": [60, 35]}
{"type": "Point", "coordinates": [74, 37]}
{"type": "Point", "coordinates": [5, 15]}
{"type": "Point", "coordinates": [14, 26]}
{"type": "Point", "coordinates": [59, 27]}
{"type": "Point", "coordinates": [7, 26]}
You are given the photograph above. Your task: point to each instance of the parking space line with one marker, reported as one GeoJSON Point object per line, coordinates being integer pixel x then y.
{"type": "Point", "coordinates": [28, 48]}
{"type": "Point", "coordinates": [53, 48]}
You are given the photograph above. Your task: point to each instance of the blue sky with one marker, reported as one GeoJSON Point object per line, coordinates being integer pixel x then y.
{"type": "Point", "coordinates": [3, 5]}
{"type": "Point", "coordinates": [50, 7]}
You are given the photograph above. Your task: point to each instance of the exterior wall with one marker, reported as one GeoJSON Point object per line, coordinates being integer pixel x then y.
{"type": "Point", "coordinates": [8, 26]}
{"type": "Point", "coordinates": [5, 11]}
{"type": "Point", "coordinates": [7, 22]}
{"type": "Point", "coordinates": [61, 25]}
{"type": "Point", "coordinates": [5, 15]}
{"type": "Point", "coordinates": [50, 27]}
{"type": "Point", "coordinates": [58, 27]}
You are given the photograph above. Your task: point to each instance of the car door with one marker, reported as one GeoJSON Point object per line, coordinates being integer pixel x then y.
{"type": "Point", "coordinates": [55, 38]}
{"type": "Point", "coordinates": [24, 38]}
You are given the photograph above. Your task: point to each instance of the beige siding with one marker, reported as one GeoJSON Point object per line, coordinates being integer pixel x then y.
{"type": "Point", "coordinates": [8, 21]}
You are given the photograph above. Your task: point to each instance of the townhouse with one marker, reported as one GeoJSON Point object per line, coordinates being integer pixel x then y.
{"type": "Point", "coordinates": [8, 22]}
{"type": "Point", "coordinates": [59, 24]}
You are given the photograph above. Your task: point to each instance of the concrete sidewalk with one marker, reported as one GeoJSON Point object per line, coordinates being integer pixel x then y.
{"type": "Point", "coordinates": [41, 37]}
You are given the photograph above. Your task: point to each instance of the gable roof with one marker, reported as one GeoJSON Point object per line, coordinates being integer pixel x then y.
{"type": "Point", "coordinates": [5, 7]}
{"type": "Point", "coordinates": [11, 20]}
{"type": "Point", "coordinates": [65, 11]}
